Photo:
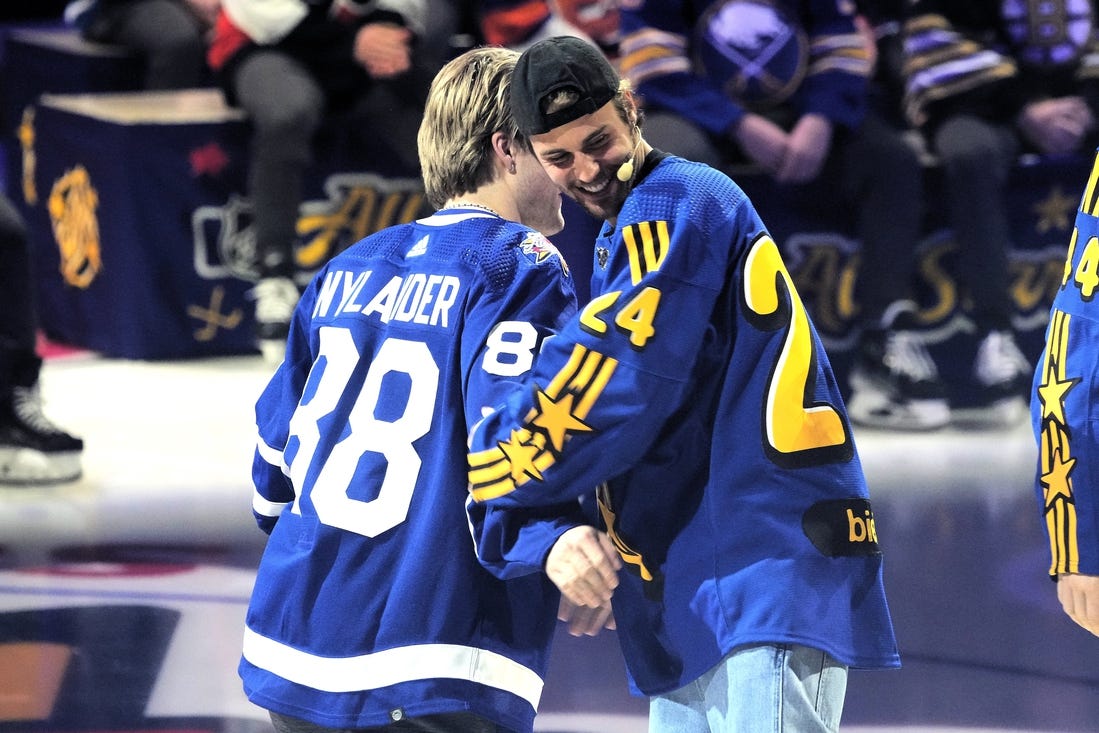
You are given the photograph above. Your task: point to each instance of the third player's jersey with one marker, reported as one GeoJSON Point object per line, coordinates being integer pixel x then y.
{"type": "Point", "coordinates": [695, 386]}
{"type": "Point", "coordinates": [370, 604]}
{"type": "Point", "coordinates": [1064, 399]}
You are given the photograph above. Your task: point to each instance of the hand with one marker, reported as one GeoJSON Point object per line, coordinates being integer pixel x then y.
{"type": "Point", "coordinates": [584, 565]}
{"type": "Point", "coordinates": [806, 148]}
{"type": "Point", "coordinates": [869, 39]}
{"type": "Point", "coordinates": [585, 621]}
{"type": "Point", "coordinates": [762, 141]}
{"type": "Point", "coordinates": [1056, 126]}
{"type": "Point", "coordinates": [1079, 596]}
{"type": "Point", "coordinates": [205, 10]}
{"type": "Point", "coordinates": [384, 49]}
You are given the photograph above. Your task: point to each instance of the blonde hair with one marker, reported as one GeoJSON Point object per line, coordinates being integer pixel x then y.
{"type": "Point", "coordinates": [466, 105]}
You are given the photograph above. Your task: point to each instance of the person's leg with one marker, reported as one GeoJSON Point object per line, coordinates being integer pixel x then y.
{"type": "Point", "coordinates": [32, 449]}
{"type": "Point", "coordinates": [679, 711]}
{"type": "Point", "coordinates": [284, 106]}
{"type": "Point", "coordinates": [894, 381]}
{"type": "Point", "coordinates": [977, 159]}
{"type": "Point", "coordinates": [18, 325]}
{"type": "Point", "coordinates": [169, 37]}
{"type": "Point", "coordinates": [882, 177]}
{"type": "Point", "coordinates": [758, 689]}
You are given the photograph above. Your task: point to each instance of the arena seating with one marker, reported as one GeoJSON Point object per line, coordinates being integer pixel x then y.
{"type": "Point", "coordinates": [159, 178]}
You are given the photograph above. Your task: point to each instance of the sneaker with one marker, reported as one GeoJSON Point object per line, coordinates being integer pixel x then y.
{"type": "Point", "coordinates": [32, 449]}
{"type": "Point", "coordinates": [895, 384]}
{"type": "Point", "coordinates": [1002, 375]}
{"type": "Point", "coordinates": [275, 299]}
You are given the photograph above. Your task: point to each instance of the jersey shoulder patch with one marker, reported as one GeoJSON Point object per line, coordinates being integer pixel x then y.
{"type": "Point", "coordinates": [537, 249]}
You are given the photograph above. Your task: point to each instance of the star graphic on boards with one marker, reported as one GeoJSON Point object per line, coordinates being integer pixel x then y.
{"type": "Point", "coordinates": [1056, 480]}
{"type": "Point", "coordinates": [521, 455]}
{"type": "Point", "coordinates": [1053, 211]}
{"type": "Point", "coordinates": [556, 418]}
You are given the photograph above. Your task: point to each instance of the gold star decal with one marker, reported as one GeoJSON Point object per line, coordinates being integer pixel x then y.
{"type": "Point", "coordinates": [1053, 393]}
{"type": "Point", "coordinates": [556, 418]}
{"type": "Point", "coordinates": [1056, 480]}
{"type": "Point", "coordinates": [1053, 211]}
{"type": "Point", "coordinates": [520, 455]}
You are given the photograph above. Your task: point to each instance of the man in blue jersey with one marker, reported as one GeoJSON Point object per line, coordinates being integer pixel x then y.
{"type": "Point", "coordinates": [694, 391]}
{"type": "Point", "coordinates": [371, 610]}
{"type": "Point", "coordinates": [1062, 409]}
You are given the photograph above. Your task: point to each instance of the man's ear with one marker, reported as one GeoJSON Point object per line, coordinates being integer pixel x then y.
{"type": "Point", "coordinates": [503, 148]}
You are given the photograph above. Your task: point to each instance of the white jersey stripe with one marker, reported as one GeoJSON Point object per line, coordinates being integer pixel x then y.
{"type": "Point", "coordinates": [393, 666]}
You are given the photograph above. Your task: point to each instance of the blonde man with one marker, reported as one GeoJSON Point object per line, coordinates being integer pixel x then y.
{"type": "Point", "coordinates": [370, 609]}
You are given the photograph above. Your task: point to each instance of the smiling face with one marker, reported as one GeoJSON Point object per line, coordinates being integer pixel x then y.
{"type": "Point", "coordinates": [583, 157]}
{"type": "Point", "coordinates": [536, 195]}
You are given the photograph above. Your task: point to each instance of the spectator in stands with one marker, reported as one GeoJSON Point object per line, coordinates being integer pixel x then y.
{"type": "Point", "coordinates": [802, 116]}
{"type": "Point", "coordinates": [989, 81]}
{"type": "Point", "coordinates": [32, 449]}
{"type": "Point", "coordinates": [170, 35]}
{"type": "Point", "coordinates": [520, 23]}
{"type": "Point", "coordinates": [289, 67]}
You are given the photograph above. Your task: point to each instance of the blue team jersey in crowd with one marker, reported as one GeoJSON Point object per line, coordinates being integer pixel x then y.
{"type": "Point", "coordinates": [1063, 400]}
{"type": "Point", "coordinates": [370, 603]}
{"type": "Point", "coordinates": [695, 390]}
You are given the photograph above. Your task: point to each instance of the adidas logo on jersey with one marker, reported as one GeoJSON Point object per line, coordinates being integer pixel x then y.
{"type": "Point", "coordinates": [418, 249]}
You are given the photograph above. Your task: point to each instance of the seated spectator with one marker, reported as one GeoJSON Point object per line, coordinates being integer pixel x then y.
{"type": "Point", "coordinates": [32, 449]}
{"type": "Point", "coordinates": [784, 87]}
{"type": "Point", "coordinates": [290, 67]}
{"type": "Point", "coordinates": [520, 23]}
{"type": "Point", "coordinates": [989, 83]}
{"type": "Point", "coordinates": [170, 35]}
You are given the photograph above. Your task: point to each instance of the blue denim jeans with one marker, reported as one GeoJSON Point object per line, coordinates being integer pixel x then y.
{"type": "Point", "coordinates": [758, 689]}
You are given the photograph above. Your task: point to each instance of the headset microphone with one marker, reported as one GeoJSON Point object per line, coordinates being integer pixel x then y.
{"type": "Point", "coordinates": [625, 171]}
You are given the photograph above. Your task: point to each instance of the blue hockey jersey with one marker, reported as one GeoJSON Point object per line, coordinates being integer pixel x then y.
{"type": "Point", "coordinates": [695, 389]}
{"type": "Point", "coordinates": [370, 604]}
{"type": "Point", "coordinates": [1063, 399]}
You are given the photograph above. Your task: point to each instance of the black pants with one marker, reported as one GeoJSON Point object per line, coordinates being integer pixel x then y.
{"type": "Point", "coordinates": [441, 723]}
{"type": "Point", "coordinates": [168, 36]}
{"type": "Point", "coordinates": [977, 157]}
{"type": "Point", "coordinates": [19, 365]}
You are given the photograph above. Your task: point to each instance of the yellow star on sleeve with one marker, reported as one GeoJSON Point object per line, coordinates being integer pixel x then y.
{"type": "Point", "coordinates": [1052, 394]}
{"type": "Point", "coordinates": [556, 418]}
{"type": "Point", "coordinates": [1056, 480]}
{"type": "Point", "coordinates": [521, 455]}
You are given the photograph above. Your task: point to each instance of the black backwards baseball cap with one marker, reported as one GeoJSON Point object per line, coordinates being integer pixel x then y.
{"type": "Point", "coordinates": [552, 64]}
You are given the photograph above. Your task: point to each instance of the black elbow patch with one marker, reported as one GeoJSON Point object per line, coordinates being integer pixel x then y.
{"type": "Point", "coordinates": [842, 528]}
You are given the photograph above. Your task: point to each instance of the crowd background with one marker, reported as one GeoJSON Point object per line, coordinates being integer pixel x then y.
{"type": "Point", "coordinates": [848, 130]}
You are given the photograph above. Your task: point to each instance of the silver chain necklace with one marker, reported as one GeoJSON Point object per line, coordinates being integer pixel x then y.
{"type": "Point", "coordinates": [471, 205]}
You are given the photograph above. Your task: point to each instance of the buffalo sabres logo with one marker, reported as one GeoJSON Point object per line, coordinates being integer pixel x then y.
{"type": "Point", "coordinates": [602, 254]}
{"type": "Point", "coordinates": [541, 249]}
{"type": "Point", "coordinates": [757, 55]}
{"type": "Point", "coordinates": [1050, 33]}
{"type": "Point", "coordinates": [72, 206]}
